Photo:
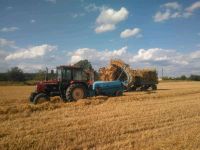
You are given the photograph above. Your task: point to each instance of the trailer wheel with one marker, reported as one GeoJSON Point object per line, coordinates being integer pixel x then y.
{"type": "Point", "coordinates": [118, 93]}
{"type": "Point", "coordinates": [75, 92]}
{"type": "Point", "coordinates": [40, 98]}
{"type": "Point", "coordinates": [133, 88]}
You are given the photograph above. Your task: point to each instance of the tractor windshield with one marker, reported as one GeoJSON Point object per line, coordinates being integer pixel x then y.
{"type": "Point", "coordinates": [78, 75]}
{"type": "Point", "coordinates": [71, 73]}
{"type": "Point", "coordinates": [67, 74]}
{"type": "Point", "coordinates": [64, 74]}
{"type": "Point", "coordinates": [81, 75]}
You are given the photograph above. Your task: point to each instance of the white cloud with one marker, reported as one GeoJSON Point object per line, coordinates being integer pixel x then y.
{"type": "Point", "coordinates": [159, 55]}
{"type": "Point", "coordinates": [96, 56]}
{"type": "Point", "coordinates": [9, 29]}
{"type": "Point", "coordinates": [172, 5]}
{"type": "Point", "coordinates": [130, 32]}
{"type": "Point", "coordinates": [30, 53]}
{"type": "Point", "coordinates": [51, 1]}
{"type": "Point", "coordinates": [6, 43]}
{"type": "Point", "coordinates": [167, 14]}
{"type": "Point", "coordinates": [112, 16]}
{"type": "Point", "coordinates": [29, 67]}
{"type": "Point", "coordinates": [105, 28]}
{"type": "Point", "coordinates": [170, 10]}
{"type": "Point", "coordinates": [150, 54]}
{"type": "Point", "coordinates": [108, 19]}
{"type": "Point", "coordinates": [174, 10]}
{"type": "Point", "coordinates": [193, 7]}
{"type": "Point", "coordinates": [159, 16]}
{"type": "Point", "coordinates": [195, 54]}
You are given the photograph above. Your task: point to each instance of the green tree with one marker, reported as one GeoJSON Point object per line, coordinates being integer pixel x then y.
{"type": "Point", "coordinates": [194, 77]}
{"type": "Point", "coordinates": [3, 77]}
{"type": "Point", "coordinates": [183, 77]}
{"type": "Point", "coordinates": [40, 75]}
{"type": "Point", "coordinates": [85, 64]}
{"type": "Point", "coordinates": [15, 74]}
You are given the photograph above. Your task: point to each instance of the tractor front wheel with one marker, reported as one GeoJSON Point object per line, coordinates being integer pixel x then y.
{"type": "Point", "coordinates": [40, 98]}
{"type": "Point", "coordinates": [75, 92]}
{"type": "Point", "coordinates": [32, 96]}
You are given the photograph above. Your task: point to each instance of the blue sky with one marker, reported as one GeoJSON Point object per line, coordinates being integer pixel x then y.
{"type": "Point", "coordinates": [144, 33]}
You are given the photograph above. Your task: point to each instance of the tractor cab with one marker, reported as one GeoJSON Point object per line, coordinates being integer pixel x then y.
{"type": "Point", "coordinates": [71, 73]}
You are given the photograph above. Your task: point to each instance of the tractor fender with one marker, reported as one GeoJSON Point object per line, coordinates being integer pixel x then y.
{"type": "Point", "coordinates": [80, 82]}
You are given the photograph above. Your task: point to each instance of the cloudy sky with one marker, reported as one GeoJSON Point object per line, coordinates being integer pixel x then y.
{"type": "Point", "coordinates": [143, 33]}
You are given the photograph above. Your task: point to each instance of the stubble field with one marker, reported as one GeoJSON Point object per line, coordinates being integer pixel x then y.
{"type": "Point", "coordinates": [166, 119]}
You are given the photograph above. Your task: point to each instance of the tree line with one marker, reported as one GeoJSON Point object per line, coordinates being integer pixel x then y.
{"type": "Point", "coordinates": [192, 77]}
{"type": "Point", "coordinates": [17, 74]}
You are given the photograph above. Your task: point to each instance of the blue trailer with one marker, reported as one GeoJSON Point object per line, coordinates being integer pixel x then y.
{"type": "Point", "coordinates": [107, 88]}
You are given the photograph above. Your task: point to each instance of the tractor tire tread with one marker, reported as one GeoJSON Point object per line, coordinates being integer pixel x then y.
{"type": "Point", "coordinates": [40, 95]}
{"type": "Point", "coordinates": [70, 89]}
{"type": "Point", "coordinates": [32, 96]}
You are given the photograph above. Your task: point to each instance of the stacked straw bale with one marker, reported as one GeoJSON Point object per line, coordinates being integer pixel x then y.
{"type": "Point", "coordinates": [145, 74]}
{"type": "Point", "coordinates": [118, 67]}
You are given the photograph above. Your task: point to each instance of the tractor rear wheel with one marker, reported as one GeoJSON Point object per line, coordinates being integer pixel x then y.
{"type": "Point", "coordinates": [40, 98]}
{"type": "Point", "coordinates": [76, 92]}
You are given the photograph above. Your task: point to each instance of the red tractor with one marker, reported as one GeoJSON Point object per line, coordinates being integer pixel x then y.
{"type": "Point", "coordinates": [72, 83]}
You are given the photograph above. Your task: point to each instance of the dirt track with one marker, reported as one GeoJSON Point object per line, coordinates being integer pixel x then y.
{"type": "Point", "coordinates": [166, 119]}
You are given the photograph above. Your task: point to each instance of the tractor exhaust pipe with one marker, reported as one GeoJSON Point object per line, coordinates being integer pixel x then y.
{"type": "Point", "coordinates": [46, 74]}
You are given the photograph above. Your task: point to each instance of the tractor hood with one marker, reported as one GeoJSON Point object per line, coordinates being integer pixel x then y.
{"type": "Point", "coordinates": [48, 82]}
{"type": "Point", "coordinates": [40, 86]}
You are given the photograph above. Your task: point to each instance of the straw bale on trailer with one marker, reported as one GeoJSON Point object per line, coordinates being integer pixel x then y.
{"type": "Point", "coordinates": [145, 74]}
{"type": "Point", "coordinates": [117, 69]}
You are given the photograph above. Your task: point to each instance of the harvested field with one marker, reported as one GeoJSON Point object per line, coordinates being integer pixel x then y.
{"type": "Point", "coordinates": [166, 119]}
